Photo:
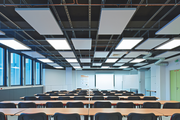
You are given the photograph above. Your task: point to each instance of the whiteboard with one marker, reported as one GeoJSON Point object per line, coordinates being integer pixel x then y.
{"type": "Point", "coordinates": [105, 81]}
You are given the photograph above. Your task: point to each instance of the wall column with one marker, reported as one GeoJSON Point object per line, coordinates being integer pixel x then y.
{"type": "Point", "coordinates": [141, 75]}
{"type": "Point", "coordinates": [69, 82]}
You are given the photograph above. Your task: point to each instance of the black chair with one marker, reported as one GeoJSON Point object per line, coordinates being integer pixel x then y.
{"type": "Point", "coordinates": [82, 94]}
{"type": "Point", "coordinates": [7, 105]}
{"type": "Point", "coordinates": [53, 94]}
{"type": "Point", "coordinates": [83, 91]}
{"type": "Point", "coordinates": [149, 98]}
{"type": "Point", "coordinates": [36, 116]}
{"type": "Point", "coordinates": [64, 98]}
{"type": "Point", "coordinates": [2, 116]}
{"type": "Point", "coordinates": [26, 105]}
{"type": "Point", "coordinates": [63, 91]}
{"type": "Point", "coordinates": [97, 98]}
{"type": "Point", "coordinates": [129, 92]}
{"type": "Point", "coordinates": [102, 105]}
{"type": "Point", "coordinates": [119, 91]}
{"type": "Point", "coordinates": [108, 116]}
{"type": "Point", "coordinates": [70, 94]}
{"type": "Point", "coordinates": [125, 105]}
{"type": "Point", "coordinates": [137, 116]}
{"type": "Point", "coordinates": [98, 94]}
{"type": "Point", "coordinates": [60, 116]}
{"type": "Point", "coordinates": [138, 94]}
{"type": "Point", "coordinates": [49, 92]}
{"type": "Point", "coordinates": [134, 98]}
{"type": "Point", "coordinates": [126, 94]}
{"type": "Point", "coordinates": [55, 91]}
{"type": "Point", "coordinates": [75, 105]}
{"type": "Point", "coordinates": [104, 91]}
{"type": "Point", "coordinates": [41, 94]}
{"type": "Point", "coordinates": [30, 98]}
{"type": "Point", "coordinates": [44, 98]}
{"type": "Point", "coordinates": [171, 105]}
{"type": "Point", "coordinates": [175, 116]}
{"type": "Point", "coordinates": [54, 105]}
{"type": "Point", "coordinates": [152, 105]}
{"type": "Point", "coordinates": [110, 94]}
{"type": "Point", "coordinates": [112, 98]}
{"type": "Point", "coordinates": [113, 90]}
{"type": "Point", "coordinates": [79, 98]}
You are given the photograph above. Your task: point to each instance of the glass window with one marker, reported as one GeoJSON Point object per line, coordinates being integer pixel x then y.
{"type": "Point", "coordinates": [38, 73]}
{"type": "Point", "coordinates": [28, 69]}
{"type": "Point", "coordinates": [1, 66]}
{"type": "Point", "coordinates": [15, 69]}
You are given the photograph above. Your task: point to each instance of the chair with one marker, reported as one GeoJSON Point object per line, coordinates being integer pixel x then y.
{"type": "Point", "coordinates": [125, 105]}
{"type": "Point", "coordinates": [102, 105]}
{"type": "Point", "coordinates": [44, 98]}
{"type": "Point", "coordinates": [126, 94]}
{"type": "Point", "coordinates": [82, 94]}
{"type": "Point", "coordinates": [75, 105]}
{"type": "Point", "coordinates": [175, 116]}
{"type": "Point", "coordinates": [113, 90]}
{"type": "Point", "coordinates": [26, 105]}
{"type": "Point", "coordinates": [119, 91]}
{"type": "Point", "coordinates": [2, 116]}
{"type": "Point", "coordinates": [134, 98]}
{"type": "Point", "coordinates": [151, 105]}
{"type": "Point", "coordinates": [108, 116]}
{"type": "Point", "coordinates": [35, 116]}
{"type": "Point", "coordinates": [70, 94]}
{"type": "Point", "coordinates": [171, 105]}
{"type": "Point", "coordinates": [49, 92]}
{"type": "Point", "coordinates": [79, 98]}
{"type": "Point", "coordinates": [30, 98]}
{"type": "Point", "coordinates": [83, 91]}
{"type": "Point", "coordinates": [7, 105]}
{"type": "Point", "coordinates": [64, 98]}
{"type": "Point", "coordinates": [149, 98]}
{"type": "Point", "coordinates": [55, 91]}
{"type": "Point", "coordinates": [110, 94]}
{"type": "Point", "coordinates": [112, 98]}
{"type": "Point", "coordinates": [99, 94]}
{"type": "Point", "coordinates": [41, 94]}
{"type": "Point", "coordinates": [138, 95]}
{"type": "Point", "coordinates": [53, 94]}
{"type": "Point", "coordinates": [104, 91]}
{"type": "Point", "coordinates": [63, 91]}
{"type": "Point", "coordinates": [54, 105]}
{"type": "Point", "coordinates": [60, 116]}
{"type": "Point", "coordinates": [138, 116]}
{"type": "Point", "coordinates": [97, 98]}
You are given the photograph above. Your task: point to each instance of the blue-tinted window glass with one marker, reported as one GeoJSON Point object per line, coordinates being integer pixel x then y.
{"type": "Point", "coordinates": [1, 66]}
{"type": "Point", "coordinates": [15, 69]}
{"type": "Point", "coordinates": [37, 73]}
{"type": "Point", "coordinates": [28, 68]}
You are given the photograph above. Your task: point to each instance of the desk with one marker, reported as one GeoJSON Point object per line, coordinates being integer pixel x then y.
{"type": "Point", "coordinates": [168, 112]}
{"type": "Point", "coordinates": [11, 111]}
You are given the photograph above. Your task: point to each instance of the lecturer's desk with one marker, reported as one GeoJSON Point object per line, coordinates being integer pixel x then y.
{"type": "Point", "coordinates": [11, 111]}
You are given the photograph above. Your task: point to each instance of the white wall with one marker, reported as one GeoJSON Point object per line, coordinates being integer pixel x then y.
{"type": "Point", "coordinates": [148, 80]}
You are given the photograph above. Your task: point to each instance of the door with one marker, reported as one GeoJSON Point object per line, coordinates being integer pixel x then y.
{"type": "Point", "coordinates": [173, 84]}
{"type": "Point", "coordinates": [178, 85]}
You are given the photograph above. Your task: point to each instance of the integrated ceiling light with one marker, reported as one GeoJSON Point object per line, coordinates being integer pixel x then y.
{"type": "Point", "coordinates": [97, 64]}
{"type": "Point", "coordinates": [14, 44]}
{"type": "Point", "coordinates": [111, 60]}
{"type": "Point", "coordinates": [137, 60]}
{"type": "Point", "coordinates": [58, 67]}
{"type": "Point", "coordinates": [123, 67]}
{"type": "Point", "coordinates": [105, 67]}
{"type": "Point", "coordinates": [128, 43]}
{"type": "Point", "coordinates": [45, 60]}
{"type": "Point", "coordinates": [77, 67]}
{"type": "Point", "coordinates": [171, 44]}
{"type": "Point", "coordinates": [71, 60]}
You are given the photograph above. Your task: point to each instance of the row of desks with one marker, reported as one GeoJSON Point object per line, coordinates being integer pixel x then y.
{"type": "Point", "coordinates": [113, 102]}
{"type": "Point", "coordinates": [89, 111]}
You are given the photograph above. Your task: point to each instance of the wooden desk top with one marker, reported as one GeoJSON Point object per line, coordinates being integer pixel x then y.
{"type": "Point", "coordinates": [52, 111]}
{"type": "Point", "coordinates": [11, 111]}
{"type": "Point", "coordinates": [123, 111]}
{"type": "Point", "coordinates": [168, 112]}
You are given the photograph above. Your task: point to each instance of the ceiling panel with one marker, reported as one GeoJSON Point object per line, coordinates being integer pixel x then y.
{"type": "Point", "coordinates": [140, 64]}
{"type": "Point", "coordinates": [172, 58]}
{"type": "Point", "coordinates": [124, 60]}
{"type": "Point", "coordinates": [82, 43]}
{"type": "Point", "coordinates": [67, 54]}
{"type": "Point", "coordinates": [33, 54]}
{"type": "Point", "coordinates": [134, 54]}
{"type": "Point", "coordinates": [97, 64]}
{"type": "Point", "coordinates": [117, 54]}
{"type": "Point", "coordinates": [168, 54]}
{"type": "Point", "coordinates": [85, 60]}
{"type": "Point", "coordinates": [118, 64]}
{"type": "Point", "coordinates": [100, 54]}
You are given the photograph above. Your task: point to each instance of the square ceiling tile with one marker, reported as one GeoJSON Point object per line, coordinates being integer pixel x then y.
{"type": "Point", "coordinates": [33, 54]}
{"type": "Point", "coordinates": [135, 54]}
{"type": "Point", "coordinates": [117, 54]}
{"type": "Point", "coordinates": [86, 67]}
{"type": "Point", "coordinates": [140, 64]}
{"type": "Point", "coordinates": [168, 54]}
{"type": "Point", "coordinates": [67, 54]}
{"type": "Point", "coordinates": [97, 64]}
{"type": "Point", "coordinates": [85, 60]}
{"type": "Point", "coordinates": [101, 54]}
{"type": "Point", "coordinates": [124, 60]}
{"type": "Point", "coordinates": [82, 43]}
{"type": "Point", "coordinates": [118, 64]}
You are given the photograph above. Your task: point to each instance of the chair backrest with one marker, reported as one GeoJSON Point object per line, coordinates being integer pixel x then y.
{"type": "Point", "coordinates": [112, 98]}
{"type": "Point", "coordinates": [55, 91]}
{"type": "Point", "coordinates": [138, 94]}
{"type": "Point", "coordinates": [113, 90]}
{"type": "Point", "coordinates": [98, 94]}
{"type": "Point", "coordinates": [64, 98]}
{"type": "Point", "coordinates": [7, 105]}
{"type": "Point", "coordinates": [54, 105]}
{"type": "Point", "coordinates": [151, 105]}
{"type": "Point", "coordinates": [126, 94]}
{"type": "Point", "coordinates": [26, 105]}
{"type": "Point", "coordinates": [79, 98]}
{"type": "Point", "coordinates": [44, 98]}
{"type": "Point", "coordinates": [41, 94]}
{"type": "Point", "coordinates": [82, 94]}
{"type": "Point", "coordinates": [97, 98]}
{"type": "Point", "coordinates": [102, 105]}
{"type": "Point", "coordinates": [138, 116]}
{"type": "Point", "coordinates": [60, 116]}
{"type": "Point", "coordinates": [108, 116]}
{"type": "Point", "coordinates": [171, 105]}
{"type": "Point", "coordinates": [63, 90]}
{"type": "Point", "coordinates": [134, 98]}
{"type": "Point", "coordinates": [53, 94]}
{"type": "Point", "coordinates": [175, 116]}
{"type": "Point", "coordinates": [30, 98]}
{"type": "Point", "coordinates": [70, 94]}
{"type": "Point", "coordinates": [104, 91]}
{"type": "Point", "coordinates": [149, 98]}
{"type": "Point", "coordinates": [119, 91]}
{"type": "Point", "coordinates": [108, 94]}
{"type": "Point", "coordinates": [75, 105]}
{"type": "Point", "coordinates": [36, 116]}
{"type": "Point", "coordinates": [2, 116]}
{"type": "Point", "coordinates": [125, 105]}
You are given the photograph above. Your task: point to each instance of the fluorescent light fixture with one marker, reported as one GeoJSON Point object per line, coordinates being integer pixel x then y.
{"type": "Point", "coordinates": [123, 67]}
{"type": "Point", "coordinates": [134, 54]}
{"type": "Point", "coordinates": [171, 28]}
{"type": "Point", "coordinates": [43, 20]}
{"type": "Point", "coordinates": [71, 60]}
{"type": "Point", "coordinates": [86, 67]}
{"type": "Point", "coordinates": [105, 67]}
{"type": "Point", "coordinates": [58, 67]}
{"type": "Point", "coordinates": [101, 54]}
{"type": "Point", "coordinates": [85, 60]}
{"type": "Point", "coordinates": [67, 54]}
{"type": "Point", "coordinates": [97, 64]}
{"type": "Point", "coordinates": [75, 64]}
{"type": "Point", "coordinates": [117, 54]}
{"type": "Point", "coordinates": [33, 54]}
{"type": "Point", "coordinates": [53, 64]}
{"type": "Point", "coordinates": [170, 45]}
{"type": "Point", "coordinates": [111, 60]}
{"type": "Point", "coordinates": [128, 43]}
{"type": "Point", "coordinates": [82, 43]}
{"type": "Point", "coordinates": [59, 43]}
{"type": "Point", "coordinates": [77, 67]}
{"type": "Point", "coordinates": [151, 43]}
{"type": "Point", "coordinates": [45, 60]}
{"type": "Point", "coordinates": [2, 33]}
{"type": "Point", "coordinates": [14, 44]}
{"type": "Point", "coordinates": [140, 64]}
{"type": "Point", "coordinates": [118, 64]}
{"type": "Point", "coordinates": [124, 60]}
{"type": "Point", "coordinates": [112, 22]}
{"type": "Point", "coordinates": [137, 60]}
{"type": "Point", "coordinates": [168, 54]}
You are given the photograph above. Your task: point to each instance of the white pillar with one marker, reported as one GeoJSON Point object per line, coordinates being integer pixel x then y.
{"type": "Point", "coordinates": [69, 78]}
{"type": "Point", "coordinates": [141, 75]}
